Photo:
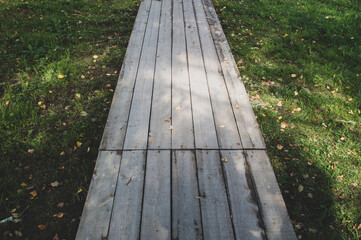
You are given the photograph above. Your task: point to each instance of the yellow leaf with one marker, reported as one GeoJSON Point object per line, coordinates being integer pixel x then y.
{"type": "Point", "coordinates": [286, 35]}
{"type": "Point", "coordinates": [23, 184]}
{"type": "Point", "coordinates": [7, 102]}
{"type": "Point", "coordinates": [50, 91]}
{"type": "Point", "coordinates": [60, 215]}
{"type": "Point", "coordinates": [61, 76]}
{"type": "Point", "coordinates": [78, 144]}
{"type": "Point", "coordinates": [279, 147]}
{"type": "Point", "coordinates": [62, 153]}
{"type": "Point", "coordinates": [293, 75]}
{"type": "Point", "coordinates": [224, 159]}
{"type": "Point", "coordinates": [43, 106]}
{"type": "Point", "coordinates": [33, 193]}
{"type": "Point", "coordinates": [236, 107]}
{"type": "Point", "coordinates": [79, 190]}
{"type": "Point", "coordinates": [41, 226]}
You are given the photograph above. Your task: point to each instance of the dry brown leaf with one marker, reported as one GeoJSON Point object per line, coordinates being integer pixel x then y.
{"type": "Point", "coordinates": [60, 205]}
{"type": "Point", "coordinates": [236, 107]}
{"type": "Point", "coordinates": [60, 215]}
{"type": "Point", "coordinates": [284, 125]}
{"type": "Point", "coordinates": [54, 184]}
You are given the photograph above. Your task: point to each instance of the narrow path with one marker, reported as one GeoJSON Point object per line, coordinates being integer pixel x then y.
{"type": "Point", "coordinates": [182, 156]}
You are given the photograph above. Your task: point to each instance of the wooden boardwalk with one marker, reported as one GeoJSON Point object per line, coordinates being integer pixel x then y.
{"type": "Point", "coordinates": [182, 156]}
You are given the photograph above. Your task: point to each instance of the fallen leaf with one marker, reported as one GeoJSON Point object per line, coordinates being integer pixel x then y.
{"type": "Point", "coordinates": [309, 195]}
{"type": "Point", "coordinates": [284, 125]}
{"type": "Point", "coordinates": [33, 193]}
{"type": "Point", "coordinates": [296, 93]}
{"type": "Point", "coordinates": [7, 102]}
{"type": "Point", "coordinates": [60, 215]}
{"type": "Point", "coordinates": [78, 144]}
{"type": "Point", "coordinates": [342, 139]}
{"type": "Point", "coordinates": [54, 184]}
{"type": "Point", "coordinates": [95, 56]}
{"type": "Point", "coordinates": [224, 159]}
{"type": "Point", "coordinates": [279, 147]}
{"type": "Point", "coordinates": [77, 95]}
{"type": "Point", "coordinates": [197, 197]}
{"type": "Point", "coordinates": [167, 120]}
{"type": "Point", "coordinates": [56, 237]}
{"type": "Point", "coordinates": [60, 205]}
{"type": "Point", "coordinates": [279, 104]}
{"type": "Point", "coordinates": [170, 128]}
{"type": "Point", "coordinates": [62, 153]}
{"type": "Point", "coordinates": [293, 75]}
{"type": "Point", "coordinates": [23, 184]}
{"type": "Point", "coordinates": [79, 190]}
{"type": "Point", "coordinates": [31, 151]}
{"type": "Point", "coordinates": [236, 107]}
{"type": "Point", "coordinates": [61, 76]}
{"type": "Point", "coordinates": [41, 226]}
{"type": "Point", "coordinates": [43, 106]}
{"type": "Point", "coordinates": [300, 188]}
{"type": "Point", "coordinates": [297, 110]}
{"type": "Point", "coordinates": [177, 108]}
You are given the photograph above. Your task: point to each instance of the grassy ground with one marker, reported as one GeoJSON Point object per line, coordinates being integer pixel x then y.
{"type": "Point", "coordinates": [59, 62]}
{"type": "Point", "coordinates": [300, 61]}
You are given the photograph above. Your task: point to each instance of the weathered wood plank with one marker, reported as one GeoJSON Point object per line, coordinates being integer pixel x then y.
{"type": "Point", "coordinates": [247, 124]}
{"type": "Point", "coordinates": [138, 125]}
{"type": "Point", "coordinates": [245, 213]}
{"type": "Point", "coordinates": [156, 218]}
{"type": "Point", "coordinates": [160, 135]}
{"type": "Point", "coordinates": [126, 213]}
{"type": "Point", "coordinates": [95, 219]}
{"type": "Point", "coordinates": [186, 216]}
{"type": "Point", "coordinates": [182, 119]}
{"type": "Point", "coordinates": [227, 131]}
{"type": "Point", "coordinates": [216, 216]}
{"type": "Point", "coordinates": [115, 128]}
{"type": "Point", "coordinates": [273, 209]}
{"type": "Point", "coordinates": [204, 128]}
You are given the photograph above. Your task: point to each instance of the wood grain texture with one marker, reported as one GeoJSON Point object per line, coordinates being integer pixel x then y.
{"type": "Point", "coordinates": [159, 134]}
{"type": "Point", "coordinates": [273, 209]}
{"type": "Point", "coordinates": [227, 132]}
{"type": "Point", "coordinates": [97, 210]}
{"type": "Point", "coordinates": [204, 127]}
{"type": "Point", "coordinates": [115, 128]}
{"type": "Point", "coordinates": [182, 119]}
{"type": "Point", "coordinates": [245, 213]}
{"type": "Point", "coordinates": [247, 124]}
{"type": "Point", "coordinates": [126, 214]}
{"type": "Point", "coordinates": [186, 216]}
{"type": "Point", "coordinates": [156, 218]}
{"type": "Point", "coordinates": [138, 124]}
{"type": "Point", "coordinates": [216, 216]}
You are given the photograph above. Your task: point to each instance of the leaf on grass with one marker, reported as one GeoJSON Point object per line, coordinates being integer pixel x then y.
{"type": "Point", "coordinates": [33, 193]}
{"type": "Point", "coordinates": [23, 184]}
{"type": "Point", "coordinates": [78, 144]}
{"type": "Point", "coordinates": [54, 184]}
{"type": "Point", "coordinates": [279, 104]}
{"type": "Point", "coordinates": [284, 125]}
{"type": "Point", "coordinates": [41, 226]}
{"type": "Point", "coordinates": [296, 93]}
{"type": "Point", "coordinates": [95, 56]}
{"type": "Point", "coordinates": [61, 76]}
{"type": "Point", "coordinates": [83, 113]}
{"type": "Point", "coordinates": [60, 215]}
{"type": "Point", "coordinates": [279, 147]}
{"type": "Point", "coordinates": [293, 75]}
{"type": "Point", "coordinates": [297, 110]}
{"type": "Point", "coordinates": [300, 188]}
{"type": "Point", "coordinates": [79, 190]}
{"type": "Point", "coordinates": [60, 205]}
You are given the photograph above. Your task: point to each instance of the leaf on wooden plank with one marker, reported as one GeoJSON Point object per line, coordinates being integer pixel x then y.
{"type": "Point", "coordinates": [170, 128]}
{"type": "Point", "coordinates": [224, 159]}
{"type": "Point", "coordinates": [236, 107]}
{"type": "Point", "coordinates": [177, 108]}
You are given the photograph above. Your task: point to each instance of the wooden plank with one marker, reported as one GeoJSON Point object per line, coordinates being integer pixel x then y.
{"type": "Point", "coordinates": [115, 128]}
{"type": "Point", "coordinates": [273, 209]}
{"type": "Point", "coordinates": [156, 218]}
{"type": "Point", "coordinates": [245, 213]}
{"type": "Point", "coordinates": [138, 125]}
{"type": "Point", "coordinates": [182, 121]}
{"type": "Point", "coordinates": [95, 219]}
{"type": "Point", "coordinates": [247, 124]}
{"type": "Point", "coordinates": [227, 131]}
{"type": "Point", "coordinates": [204, 128]}
{"type": "Point", "coordinates": [186, 216]}
{"type": "Point", "coordinates": [216, 216]}
{"type": "Point", "coordinates": [159, 134]}
{"type": "Point", "coordinates": [126, 213]}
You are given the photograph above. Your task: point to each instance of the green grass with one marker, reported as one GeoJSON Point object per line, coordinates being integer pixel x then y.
{"type": "Point", "coordinates": [54, 100]}
{"type": "Point", "coordinates": [300, 61]}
